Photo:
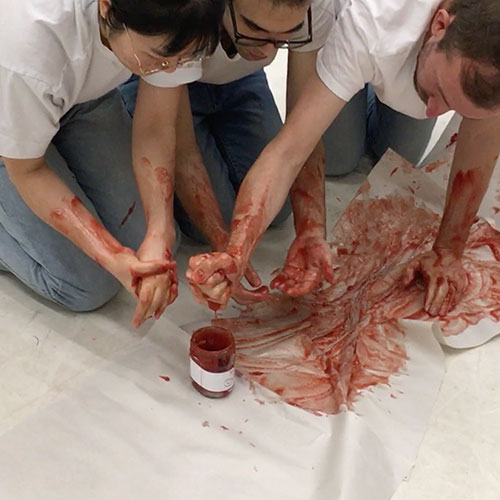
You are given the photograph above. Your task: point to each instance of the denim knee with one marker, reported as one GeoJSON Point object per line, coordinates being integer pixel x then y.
{"type": "Point", "coordinates": [86, 292]}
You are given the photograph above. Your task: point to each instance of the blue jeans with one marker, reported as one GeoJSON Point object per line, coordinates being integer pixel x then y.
{"type": "Point", "coordinates": [367, 126]}
{"type": "Point", "coordinates": [233, 123]}
{"type": "Point", "coordinates": [91, 154]}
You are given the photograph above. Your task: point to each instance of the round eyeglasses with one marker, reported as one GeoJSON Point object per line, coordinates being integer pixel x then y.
{"type": "Point", "coordinates": [250, 41]}
{"type": "Point", "coordinates": [164, 65]}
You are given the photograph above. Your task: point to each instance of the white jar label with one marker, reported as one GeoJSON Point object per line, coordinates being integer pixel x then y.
{"type": "Point", "coordinates": [213, 382]}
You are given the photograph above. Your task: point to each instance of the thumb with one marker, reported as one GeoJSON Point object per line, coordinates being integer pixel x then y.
{"type": "Point", "coordinates": [326, 264]}
{"type": "Point", "coordinates": [409, 274]}
{"type": "Point", "coordinates": [252, 277]}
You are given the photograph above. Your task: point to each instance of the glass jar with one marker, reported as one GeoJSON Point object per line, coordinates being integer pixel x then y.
{"type": "Point", "coordinates": [212, 353]}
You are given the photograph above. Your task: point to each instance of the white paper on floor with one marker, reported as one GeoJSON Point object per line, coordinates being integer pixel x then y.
{"type": "Point", "coordinates": [125, 433]}
{"type": "Point", "coordinates": [476, 319]}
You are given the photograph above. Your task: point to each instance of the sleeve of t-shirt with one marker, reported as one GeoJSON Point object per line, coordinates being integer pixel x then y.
{"type": "Point", "coordinates": [323, 17]}
{"type": "Point", "coordinates": [346, 63]}
{"type": "Point", "coordinates": [29, 116]}
{"type": "Point", "coordinates": [180, 76]}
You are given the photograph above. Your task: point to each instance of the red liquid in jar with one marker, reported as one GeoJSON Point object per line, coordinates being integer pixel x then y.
{"type": "Point", "coordinates": [212, 354]}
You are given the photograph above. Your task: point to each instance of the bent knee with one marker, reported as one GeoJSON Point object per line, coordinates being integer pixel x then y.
{"type": "Point", "coordinates": [84, 293]}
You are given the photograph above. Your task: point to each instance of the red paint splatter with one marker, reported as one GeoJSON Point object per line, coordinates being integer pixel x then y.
{"type": "Point", "coordinates": [435, 165]}
{"type": "Point", "coordinates": [453, 139]}
{"type": "Point", "coordinates": [394, 171]}
{"type": "Point", "coordinates": [322, 351]}
{"type": "Point", "coordinates": [128, 214]}
{"type": "Point", "coordinates": [165, 378]}
{"type": "Point", "coordinates": [496, 210]}
{"type": "Point", "coordinates": [364, 188]}
{"type": "Point", "coordinates": [412, 191]}
{"type": "Point", "coordinates": [224, 428]}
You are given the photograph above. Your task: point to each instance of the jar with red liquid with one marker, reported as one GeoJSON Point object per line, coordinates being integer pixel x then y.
{"type": "Point", "coordinates": [212, 353]}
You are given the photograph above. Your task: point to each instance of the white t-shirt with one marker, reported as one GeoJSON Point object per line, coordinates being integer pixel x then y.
{"type": "Point", "coordinates": [52, 58]}
{"type": "Point", "coordinates": [219, 68]}
{"type": "Point", "coordinates": [377, 42]}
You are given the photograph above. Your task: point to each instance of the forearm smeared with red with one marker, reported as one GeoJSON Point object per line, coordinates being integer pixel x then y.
{"type": "Point", "coordinates": [153, 153]}
{"type": "Point", "coordinates": [476, 154]}
{"type": "Point", "coordinates": [51, 200]}
{"type": "Point", "coordinates": [309, 257]}
{"type": "Point", "coordinates": [192, 184]}
{"type": "Point", "coordinates": [263, 193]}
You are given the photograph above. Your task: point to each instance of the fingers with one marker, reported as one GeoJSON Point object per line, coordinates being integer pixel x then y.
{"type": "Point", "coordinates": [328, 271]}
{"type": "Point", "coordinates": [436, 294]}
{"type": "Point", "coordinates": [410, 272]}
{"type": "Point", "coordinates": [252, 277]}
{"type": "Point", "coordinates": [154, 295]}
{"type": "Point", "coordinates": [143, 304]}
{"type": "Point", "coordinates": [244, 296]}
{"type": "Point", "coordinates": [203, 266]}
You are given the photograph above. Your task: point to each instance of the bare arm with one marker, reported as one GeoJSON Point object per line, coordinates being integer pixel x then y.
{"type": "Point", "coordinates": [264, 191]}
{"type": "Point", "coordinates": [309, 257]}
{"type": "Point", "coordinates": [53, 202]}
{"type": "Point", "coordinates": [476, 154]}
{"type": "Point", "coordinates": [268, 182]}
{"type": "Point", "coordinates": [153, 154]}
{"type": "Point", "coordinates": [477, 150]}
{"type": "Point", "coordinates": [308, 190]}
{"type": "Point", "coordinates": [192, 184]}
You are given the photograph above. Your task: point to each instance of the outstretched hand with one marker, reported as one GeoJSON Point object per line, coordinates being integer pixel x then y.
{"type": "Point", "coordinates": [308, 264]}
{"type": "Point", "coordinates": [445, 278]}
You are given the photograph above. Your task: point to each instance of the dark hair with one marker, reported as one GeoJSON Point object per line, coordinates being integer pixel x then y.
{"type": "Point", "coordinates": [475, 35]}
{"type": "Point", "coordinates": [183, 21]}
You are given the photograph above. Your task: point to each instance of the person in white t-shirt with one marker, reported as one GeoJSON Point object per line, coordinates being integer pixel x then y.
{"type": "Point", "coordinates": [72, 224]}
{"type": "Point", "coordinates": [231, 109]}
{"type": "Point", "coordinates": [422, 58]}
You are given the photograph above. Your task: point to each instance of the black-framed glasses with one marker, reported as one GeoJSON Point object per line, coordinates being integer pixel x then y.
{"type": "Point", "coordinates": [250, 41]}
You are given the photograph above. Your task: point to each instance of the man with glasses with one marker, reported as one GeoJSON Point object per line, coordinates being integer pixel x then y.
{"type": "Point", "coordinates": [229, 115]}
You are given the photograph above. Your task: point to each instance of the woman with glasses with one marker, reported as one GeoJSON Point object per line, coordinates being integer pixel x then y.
{"type": "Point", "coordinates": [74, 224]}
{"type": "Point", "coordinates": [229, 115]}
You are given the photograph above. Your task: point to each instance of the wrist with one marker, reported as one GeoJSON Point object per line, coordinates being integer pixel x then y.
{"type": "Point", "coordinates": [218, 240]}
{"type": "Point", "coordinates": [310, 229]}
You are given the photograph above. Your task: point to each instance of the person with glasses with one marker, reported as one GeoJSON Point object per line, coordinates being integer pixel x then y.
{"type": "Point", "coordinates": [229, 115]}
{"type": "Point", "coordinates": [422, 58]}
{"type": "Point", "coordinates": [74, 224]}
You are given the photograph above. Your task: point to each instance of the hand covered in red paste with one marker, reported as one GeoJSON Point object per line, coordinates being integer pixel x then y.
{"type": "Point", "coordinates": [155, 293]}
{"type": "Point", "coordinates": [215, 277]}
{"type": "Point", "coordinates": [128, 269]}
{"type": "Point", "coordinates": [251, 274]}
{"type": "Point", "coordinates": [444, 276]}
{"type": "Point", "coordinates": [308, 263]}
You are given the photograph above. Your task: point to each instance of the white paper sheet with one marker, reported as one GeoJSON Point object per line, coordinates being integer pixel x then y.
{"type": "Point", "coordinates": [127, 434]}
{"type": "Point", "coordinates": [427, 185]}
